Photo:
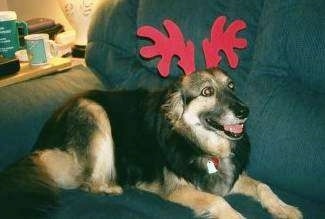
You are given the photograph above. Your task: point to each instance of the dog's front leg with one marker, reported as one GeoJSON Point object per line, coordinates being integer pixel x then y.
{"type": "Point", "coordinates": [262, 193]}
{"type": "Point", "coordinates": [203, 204]}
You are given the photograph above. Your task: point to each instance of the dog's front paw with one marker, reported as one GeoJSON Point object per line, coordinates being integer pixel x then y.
{"type": "Point", "coordinates": [285, 211]}
{"type": "Point", "coordinates": [102, 188]}
{"type": "Point", "coordinates": [231, 215]}
{"type": "Point", "coordinates": [222, 210]}
{"type": "Point", "coordinates": [275, 206]}
{"type": "Point", "coordinates": [227, 215]}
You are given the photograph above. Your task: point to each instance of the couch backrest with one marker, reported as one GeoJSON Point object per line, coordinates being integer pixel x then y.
{"type": "Point", "coordinates": [113, 49]}
{"type": "Point", "coordinates": [286, 94]}
{"type": "Point", "coordinates": [284, 58]}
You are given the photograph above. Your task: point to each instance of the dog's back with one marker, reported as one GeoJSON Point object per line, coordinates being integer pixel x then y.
{"type": "Point", "coordinates": [132, 117]}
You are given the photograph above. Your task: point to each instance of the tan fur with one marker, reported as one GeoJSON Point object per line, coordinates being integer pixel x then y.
{"type": "Point", "coordinates": [262, 193]}
{"type": "Point", "coordinates": [172, 182]}
{"type": "Point", "coordinates": [62, 167]}
{"type": "Point", "coordinates": [203, 203]}
{"type": "Point", "coordinates": [178, 190]}
{"type": "Point", "coordinates": [154, 187]}
{"type": "Point", "coordinates": [207, 139]}
{"type": "Point", "coordinates": [174, 102]}
{"type": "Point", "coordinates": [101, 153]}
{"type": "Point", "coordinates": [67, 168]}
{"type": "Point", "coordinates": [220, 76]}
{"type": "Point", "coordinates": [186, 121]}
{"type": "Point", "coordinates": [189, 125]}
{"type": "Point", "coordinates": [101, 145]}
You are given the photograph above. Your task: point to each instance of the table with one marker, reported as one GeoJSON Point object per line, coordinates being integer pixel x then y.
{"type": "Point", "coordinates": [27, 72]}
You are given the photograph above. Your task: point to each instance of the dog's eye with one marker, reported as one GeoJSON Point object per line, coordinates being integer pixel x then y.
{"type": "Point", "coordinates": [231, 85]}
{"type": "Point", "coordinates": [207, 91]}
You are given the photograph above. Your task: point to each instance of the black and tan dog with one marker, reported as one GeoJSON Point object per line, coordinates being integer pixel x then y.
{"type": "Point", "coordinates": [187, 144]}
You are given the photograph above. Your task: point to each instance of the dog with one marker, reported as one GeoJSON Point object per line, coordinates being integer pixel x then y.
{"type": "Point", "coordinates": [186, 144]}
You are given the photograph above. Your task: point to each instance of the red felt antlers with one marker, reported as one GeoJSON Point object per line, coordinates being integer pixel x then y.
{"type": "Point", "coordinates": [174, 45]}
{"type": "Point", "coordinates": [225, 41]}
{"type": "Point", "coordinates": [167, 47]}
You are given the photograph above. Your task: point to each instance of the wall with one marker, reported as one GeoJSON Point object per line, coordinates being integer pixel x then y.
{"type": "Point", "coordinates": [3, 5]}
{"type": "Point", "coordinates": [27, 9]}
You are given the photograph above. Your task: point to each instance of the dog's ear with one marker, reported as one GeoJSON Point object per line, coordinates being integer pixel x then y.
{"type": "Point", "coordinates": [174, 106]}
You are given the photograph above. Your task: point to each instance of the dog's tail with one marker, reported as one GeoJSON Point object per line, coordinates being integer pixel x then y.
{"type": "Point", "coordinates": [26, 191]}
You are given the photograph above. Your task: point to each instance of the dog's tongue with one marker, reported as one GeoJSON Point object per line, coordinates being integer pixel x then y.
{"type": "Point", "coordinates": [236, 128]}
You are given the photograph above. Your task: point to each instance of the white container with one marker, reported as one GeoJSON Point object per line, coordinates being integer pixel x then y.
{"type": "Point", "coordinates": [78, 13]}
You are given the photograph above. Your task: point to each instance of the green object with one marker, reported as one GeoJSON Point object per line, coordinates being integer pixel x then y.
{"type": "Point", "coordinates": [9, 37]}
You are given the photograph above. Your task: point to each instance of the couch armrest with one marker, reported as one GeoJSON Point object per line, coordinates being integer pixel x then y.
{"type": "Point", "coordinates": [26, 106]}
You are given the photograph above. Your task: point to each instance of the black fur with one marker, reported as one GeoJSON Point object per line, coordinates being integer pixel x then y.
{"type": "Point", "coordinates": [25, 192]}
{"type": "Point", "coordinates": [145, 141]}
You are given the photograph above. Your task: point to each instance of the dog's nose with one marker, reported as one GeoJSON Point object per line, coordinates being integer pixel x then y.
{"type": "Point", "coordinates": [240, 111]}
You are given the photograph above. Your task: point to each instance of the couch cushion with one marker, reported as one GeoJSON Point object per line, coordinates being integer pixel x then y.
{"type": "Point", "coordinates": [287, 123]}
{"type": "Point", "coordinates": [111, 50]}
{"type": "Point", "coordinates": [310, 209]}
{"type": "Point", "coordinates": [26, 106]}
{"type": "Point", "coordinates": [134, 204]}
{"type": "Point", "coordinates": [287, 133]}
{"type": "Point", "coordinates": [291, 41]}
{"type": "Point", "coordinates": [131, 204]}
{"type": "Point", "coordinates": [195, 19]}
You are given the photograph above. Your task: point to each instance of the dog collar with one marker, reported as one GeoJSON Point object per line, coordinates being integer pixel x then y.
{"type": "Point", "coordinates": [213, 165]}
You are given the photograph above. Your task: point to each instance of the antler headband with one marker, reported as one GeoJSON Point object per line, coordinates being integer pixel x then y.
{"type": "Point", "coordinates": [174, 44]}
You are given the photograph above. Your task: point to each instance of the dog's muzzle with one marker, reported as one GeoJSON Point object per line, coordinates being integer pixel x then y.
{"type": "Point", "coordinates": [233, 129]}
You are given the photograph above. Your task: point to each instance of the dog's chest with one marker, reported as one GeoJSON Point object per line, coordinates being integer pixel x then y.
{"type": "Point", "coordinates": [217, 175]}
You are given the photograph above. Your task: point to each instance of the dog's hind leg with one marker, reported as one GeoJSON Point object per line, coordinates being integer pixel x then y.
{"type": "Point", "coordinates": [262, 193]}
{"type": "Point", "coordinates": [101, 172]}
{"type": "Point", "coordinates": [100, 166]}
{"type": "Point", "coordinates": [61, 166]}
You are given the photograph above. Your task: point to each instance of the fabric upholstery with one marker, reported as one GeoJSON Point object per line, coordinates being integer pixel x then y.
{"type": "Point", "coordinates": [281, 73]}
{"type": "Point", "coordinates": [286, 96]}
{"type": "Point", "coordinates": [291, 41]}
{"type": "Point", "coordinates": [195, 19]}
{"type": "Point", "coordinates": [114, 55]}
{"type": "Point", "coordinates": [27, 105]}
{"type": "Point", "coordinates": [111, 49]}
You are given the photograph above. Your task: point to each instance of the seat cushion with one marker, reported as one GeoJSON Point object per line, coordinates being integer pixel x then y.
{"type": "Point", "coordinates": [132, 204]}
{"type": "Point", "coordinates": [137, 204]}
{"type": "Point", "coordinates": [26, 106]}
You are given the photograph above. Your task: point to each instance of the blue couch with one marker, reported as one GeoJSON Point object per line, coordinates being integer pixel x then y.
{"type": "Point", "coordinates": [281, 75]}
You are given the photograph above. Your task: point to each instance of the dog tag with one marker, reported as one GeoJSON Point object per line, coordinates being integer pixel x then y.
{"type": "Point", "coordinates": [211, 167]}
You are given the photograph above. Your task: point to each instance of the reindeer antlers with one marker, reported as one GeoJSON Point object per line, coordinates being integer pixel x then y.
{"type": "Point", "coordinates": [167, 47]}
{"type": "Point", "coordinates": [225, 41]}
{"type": "Point", "coordinates": [174, 45]}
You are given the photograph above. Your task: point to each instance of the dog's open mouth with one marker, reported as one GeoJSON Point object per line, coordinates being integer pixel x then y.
{"type": "Point", "coordinates": [233, 131]}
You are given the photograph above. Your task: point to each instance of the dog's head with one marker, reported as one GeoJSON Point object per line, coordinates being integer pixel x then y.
{"type": "Point", "coordinates": [205, 108]}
